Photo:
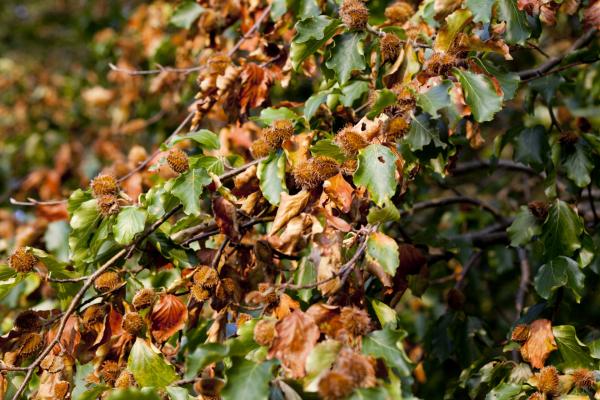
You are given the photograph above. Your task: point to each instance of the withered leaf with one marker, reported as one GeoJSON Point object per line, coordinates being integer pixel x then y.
{"type": "Point", "coordinates": [295, 337]}
{"type": "Point", "coordinates": [339, 192]}
{"type": "Point", "coordinates": [169, 315]}
{"type": "Point", "coordinates": [226, 218]}
{"type": "Point", "coordinates": [539, 344]}
{"type": "Point", "coordinates": [289, 207]}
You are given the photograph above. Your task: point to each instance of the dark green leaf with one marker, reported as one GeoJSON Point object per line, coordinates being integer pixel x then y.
{"type": "Point", "coordinates": [247, 380]}
{"type": "Point", "coordinates": [347, 55]}
{"type": "Point", "coordinates": [421, 133]}
{"type": "Point", "coordinates": [579, 166]}
{"type": "Point", "coordinates": [353, 91]}
{"type": "Point", "coordinates": [384, 98]}
{"type": "Point", "coordinates": [517, 28]}
{"type": "Point", "coordinates": [559, 272]}
{"type": "Point", "coordinates": [435, 98]}
{"type": "Point", "coordinates": [387, 344]}
{"type": "Point", "coordinates": [326, 147]}
{"type": "Point", "coordinates": [481, 9]}
{"type": "Point", "coordinates": [480, 94]}
{"type": "Point", "coordinates": [300, 51]}
{"type": "Point", "coordinates": [560, 232]}
{"type": "Point", "coordinates": [204, 137]}
{"type": "Point", "coordinates": [524, 227]}
{"type": "Point", "coordinates": [271, 175]}
{"type": "Point", "coordinates": [377, 172]}
{"type": "Point", "coordinates": [573, 353]}
{"type": "Point", "coordinates": [188, 187]}
{"type": "Point", "coordinates": [532, 147]}
{"type": "Point", "coordinates": [130, 222]}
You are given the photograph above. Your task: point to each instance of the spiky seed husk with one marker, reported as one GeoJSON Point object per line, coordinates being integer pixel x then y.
{"type": "Point", "coordinates": [314, 171]}
{"type": "Point", "coordinates": [335, 386]}
{"type": "Point", "coordinates": [108, 204]}
{"type": "Point", "coordinates": [104, 184]}
{"type": "Point", "coordinates": [399, 12]}
{"type": "Point", "coordinates": [143, 298]}
{"type": "Point", "coordinates": [92, 315]}
{"type": "Point", "coordinates": [218, 63]}
{"type": "Point", "coordinates": [125, 380]}
{"type": "Point", "coordinates": [356, 321]}
{"type": "Point", "coordinates": [547, 380]}
{"type": "Point", "coordinates": [455, 299]}
{"type": "Point", "coordinates": [568, 138]}
{"type": "Point", "coordinates": [28, 321]}
{"type": "Point", "coordinates": [357, 366]}
{"type": "Point", "coordinates": [354, 14]}
{"type": "Point", "coordinates": [22, 260]}
{"type": "Point", "coordinates": [536, 396]}
{"type": "Point", "coordinates": [206, 277]}
{"type": "Point", "coordinates": [264, 332]}
{"type": "Point", "coordinates": [350, 141]}
{"type": "Point", "coordinates": [520, 333]}
{"type": "Point", "coordinates": [390, 46]}
{"type": "Point", "coordinates": [538, 209]}
{"type": "Point", "coordinates": [110, 371]}
{"type": "Point", "coordinates": [396, 128]}
{"type": "Point", "coordinates": [260, 148]}
{"type": "Point", "coordinates": [133, 323]}
{"type": "Point", "coordinates": [229, 286]}
{"type": "Point", "coordinates": [349, 166]}
{"type": "Point", "coordinates": [440, 64]}
{"type": "Point", "coordinates": [107, 281]}
{"type": "Point", "coordinates": [30, 343]}
{"type": "Point", "coordinates": [583, 378]}
{"type": "Point", "coordinates": [405, 99]}
{"type": "Point", "coordinates": [178, 160]}
{"type": "Point", "coordinates": [280, 131]}
{"type": "Point", "coordinates": [199, 293]}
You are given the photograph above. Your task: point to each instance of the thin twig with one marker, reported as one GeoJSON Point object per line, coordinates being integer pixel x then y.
{"type": "Point", "coordinates": [477, 165]}
{"type": "Point", "coordinates": [592, 205]}
{"type": "Point", "coordinates": [213, 232]}
{"type": "Point", "coordinates": [67, 280]}
{"type": "Point", "coordinates": [160, 69]}
{"type": "Point", "coordinates": [453, 200]}
{"type": "Point", "coordinates": [249, 34]}
{"type": "Point", "coordinates": [524, 281]}
{"type": "Point", "coordinates": [34, 202]}
{"type": "Point", "coordinates": [237, 171]}
{"type": "Point", "coordinates": [474, 259]}
{"type": "Point", "coordinates": [217, 258]}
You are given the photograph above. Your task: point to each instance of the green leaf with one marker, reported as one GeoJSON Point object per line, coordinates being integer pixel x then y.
{"type": "Point", "coordinates": [481, 9]}
{"type": "Point", "coordinates": [269, 115]}
{"type": "Point", "coordinates": [202, 356]}
{"type": "Point", "coordinates": [388, 212]}
{"type": "Point", "coordinates": [305, 8]}
{"type": "Point", "coordinates": [455, 23]}
{"type": "Point", "coordinates": [311, 105]}
{"type": "Point", "coordinates": [247, 380]}
{"type": "Point", "coordinates": [7, 285]}
{"type": "Point", "coordinates": [306, 274]}
{"type": "Point", "coordinates": [186, 13]}
{"type": "Point", "coordinates": [504, 391]}
{"type": "Point", "coordinates": [573, 353]}
{"type": "Point", "coordinates": [353, 91]}
{"type": "Point", "coordinates": [531, 146]}
{"type": "Point", "coordinates": [6, 273]}
{"type": "Point", "coordinates": [188, 188]}
{"type": "Point", "coordinates": [207, 139]}
{"type": "Point", "coordinates": [179, 393]}
{"type": "Point", "coordinates": [149, 367]}
{"type": "Point", "coordinates": [301, 50]}
{"type": "Point", "coordinates": [421, 134]}
{"type": "Point", "coordinates": [131, 394]}
{"type": "Point", "coordinates": [375, 393]}
{"type": "Point", "coordinates": [130, 222]}
{"type": "Point", "coordinates": [517, 28]}
{"type": "Point", "coordinates": [524, 228]}
{"type": "Point", "coordinates": [561, 230]}
{"type": "Point", "coordinates": [480, 94]}
{"type": "Point", "coordinates": [271, 176]}
{"type": "Point", "coordinates": [56, 238]}
{"type": "Point", "coordinates": [326, 147]}
{"type": "Point", "coordinates": [509, 81]}
{"type": "Point", "coordinates": [319, 361]}
{"type": "Point", "coordinates": [559, 272]}
{"type": "Point", "coordinates": [377, 172]}
{"type": "Point", "coordinates": [387, 344]}
{"type": "Point", "coordinates": [209, 163]}
{"type": "Point", "coordinates": [579, 166]}
{"type": "Point", "coordinates": [384, 98]}
{"type": "Point", "coordinates": [384, 250]}
{"type": "Point", "coordinates": [385, 314]}
{"type": "Point", "coordinates": [435, 98]}
{"type": "Point", "coordinates": [347, 55]}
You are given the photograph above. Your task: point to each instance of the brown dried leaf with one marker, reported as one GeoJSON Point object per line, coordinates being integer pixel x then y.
{"type": "Point", "coordinates": [226, 218]}
{"type": "Point", "coordinates": [339, 192]}
{"type": "Point", "coordinates": [591, 15]}
{"type": "Point", "coordinates": [295, 337]}
{"type": "Point", "coordinates": [330, 247]}
{"type": "Point", "coordinates": [254, 86]}
{"type": "Point", "coordinates": [289, 207]}
{"type": "Point", "coordinates": [169, 315]}
{"type": "Point", "coordinates": [539, 344]}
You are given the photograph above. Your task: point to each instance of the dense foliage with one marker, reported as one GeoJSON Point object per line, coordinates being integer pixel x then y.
{"type": "Point", "coordinates": [251, 199]}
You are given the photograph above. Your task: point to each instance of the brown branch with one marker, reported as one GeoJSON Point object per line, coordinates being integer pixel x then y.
{"type": "Point", "coordinates": [546, 67]}
{"type": "Point", "coordinates": [453, 200]}
{"type": "Point", "coordinates": [524, 281]}
{"type": "Point", "coordinates": [249, 34]}
{"type": "Point", "coordinates": [477, 165]}
{"type": "Point", "coordinates": [160, 69]}
{"type": "Point", "coordinates": [33, 202]}
{"type": "Point", "coordinates": [474, 259]}
{"type": "Point", "coordinates": [216, 231]}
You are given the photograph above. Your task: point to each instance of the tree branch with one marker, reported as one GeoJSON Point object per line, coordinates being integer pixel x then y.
{"type": "Point", "coordinates": [453, 200]}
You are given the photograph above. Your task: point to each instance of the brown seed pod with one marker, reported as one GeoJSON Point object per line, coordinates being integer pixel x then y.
{"type": "Point", "coordinates": [536, 396]}
{"type": "Point", "coordinates": [314, 171]}
{"type": "Point", "coordinates": [354, 14]}
{"type": "Point", "coordinates": [229, 287]}
{"type": "Point", "coordinates": [108, 204]}
{"type": "Point", "coordinates": [199, 293]}
{"type": "Point", "coordinates": [356, 321]}
{"type": "Point", "coordinates": [260, 148]}
{"type": "Point", "coordinates": [31, 343]}
{"type": "Point", "coordinates": [455, 299]}
{"type": "Point", "coordinates": [547, 380]}
{"type": "Point", "coordinates": [107, 281]}
{"type": "Point", "coordinates": [125, 380]}
{"type": "Point", "coordinates": [218, 63]}
{"type": "Point", "coordinates": [583, 378]}
{"type": "Point", "coordinates": [568, 138]}
{"type": "Point", "coordinates": [396, 128]}
{"type": "Point", "coordinates": [538, 209]}
{"type": "Point", "coordinates": [405, 99]}
{"type": "Point", "coordinates": [390, 46]}
{"type": "Point", "coordinates": [357, 366]}
{"type": "Point", "coordinates": [206, 277]}
{"type": "Point", "coordinates": [110, 371]}
{"type": "Point", "coordinates": [520, 333]}
{"type": "Point", "coordinates": [349, 166]}
{"type": "Point", "coordinates": [280, 131]}
{"type": "Point", "coordinates": [264, 332]}
{"type": "Point", "coordinates": [350, 142]}
{"type": "Point", "coordinates": [143, 298]}
{"type": "Point", "coordinates": [133, 323]}
{"type": "Point", "coordinates": [439, 64]}
{"type": "Point", "coordinates": [28, 321]}
{"type": "Point", "coordinates": [22, 260]}
{"type": "Point", "coordinates": [335, 386]}
{"type": "Point", "coordinates": [104, 184]}
{"type": "Point", "coordinates": [93, 314]}
{"type": "Point", "coordinates": [178, 160]}
{"type": "Point", "coordinates": [399, 12]}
